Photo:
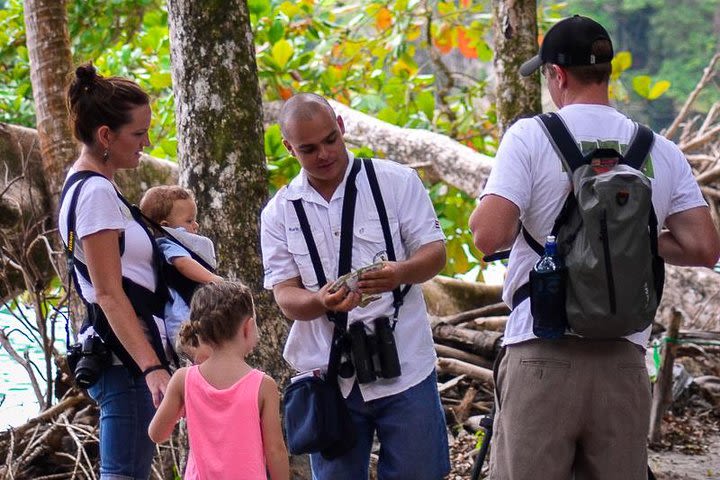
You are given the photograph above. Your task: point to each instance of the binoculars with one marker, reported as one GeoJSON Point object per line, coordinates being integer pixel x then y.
{"type": "Point", "coordinates": [373, 354]}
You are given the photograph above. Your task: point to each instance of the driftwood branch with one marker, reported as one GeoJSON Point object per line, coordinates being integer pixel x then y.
{"type": "Point", "coordinates": [708, 74]}
{"type": "Point", "coordinates": [662, 392]}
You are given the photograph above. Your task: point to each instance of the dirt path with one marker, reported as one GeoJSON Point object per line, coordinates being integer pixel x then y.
{"type": "Point", "coordinates": [679, 466]}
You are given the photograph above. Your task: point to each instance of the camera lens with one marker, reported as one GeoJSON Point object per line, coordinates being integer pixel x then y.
{"type": "Point", "coordinates": [93, 357]}
{"type": "Point", "coordinates": [87, 371]}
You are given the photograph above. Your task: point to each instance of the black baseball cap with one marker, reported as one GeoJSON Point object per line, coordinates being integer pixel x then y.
{"type": "Point", "coordinates": [569, 43]}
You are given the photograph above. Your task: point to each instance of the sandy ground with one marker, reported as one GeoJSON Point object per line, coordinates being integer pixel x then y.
{"type": "Point", "coordinates": [670, 465]}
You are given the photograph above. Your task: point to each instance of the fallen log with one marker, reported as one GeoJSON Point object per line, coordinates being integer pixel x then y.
{"type": "Point", "coordinates": [485, 343]}
{"type": "Point", "coordinates": [449, 352]}
{"type": "Point", "coordinates": [495, 324]}
{"type": "Point", "coordinates": [458, 367]}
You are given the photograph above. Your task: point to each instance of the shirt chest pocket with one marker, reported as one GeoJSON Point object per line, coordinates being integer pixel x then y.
{"type": "Point", "coordinates": [298, 248]}
{"type": "Point", "coordinates": [370, 241]}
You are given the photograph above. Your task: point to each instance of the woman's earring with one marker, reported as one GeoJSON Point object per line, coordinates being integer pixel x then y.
{"type": "Point", "coordinates": [106, 155]}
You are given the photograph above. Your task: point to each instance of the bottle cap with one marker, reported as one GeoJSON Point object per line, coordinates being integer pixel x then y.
{"type": "Point", "coordinates": [551, 239]}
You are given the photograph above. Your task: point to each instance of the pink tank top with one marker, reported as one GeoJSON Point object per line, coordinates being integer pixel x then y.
{"type": "Point", "coordinates": [224, 429]}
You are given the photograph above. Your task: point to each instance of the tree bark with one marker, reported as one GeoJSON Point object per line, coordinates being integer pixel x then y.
{"type": "Point", "coordinates": [221, 151]}
{"type": "Point", "coordinates": [515, 36]}
{"type": "Point", "coordinates": [484, 343]}
{"type": "Point", "coordinates": [48, 46]}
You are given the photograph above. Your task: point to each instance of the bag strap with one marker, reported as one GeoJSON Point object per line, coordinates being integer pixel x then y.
{"type": "Point", "coordinates": [562, 141]}
{"type": "Point", "coordinates": [640, 146]}
{"type": "Point", "coordinates": [339, 319]}
{"type": "Point", "coordinates": [398, 293]}
{"type": "Point", "coordinates": [80, 178]}
{"type": "Point", "coordinates": [75, 265]}
{"type": "Point", "coordinates": [636, 156]}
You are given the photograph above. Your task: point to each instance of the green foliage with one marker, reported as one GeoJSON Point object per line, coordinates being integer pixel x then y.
{"type": "Point", "coordinates": [387, 58]}
{"type": "Point", "coordinates": [673, 42]}
{"type": "Point", "coordinates": [453, 208]}
{"type": "Point", "coordinates": [16, 103]}
{"type": "Point", "coordinates": [381, 58]}
{"type": "Point", "coordinates": [130, 39]}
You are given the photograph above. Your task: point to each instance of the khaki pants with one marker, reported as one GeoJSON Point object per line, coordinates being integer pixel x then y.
{"type": "Point", "coordinates": [571, 408]}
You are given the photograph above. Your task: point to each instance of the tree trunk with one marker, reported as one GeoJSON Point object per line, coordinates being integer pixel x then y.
{"type": "Point", "coordinates": [221, 151]}
{"type": "Point", "coordinates": [48, 45]}
{"type": "Point", "coordinates": [515, 41]}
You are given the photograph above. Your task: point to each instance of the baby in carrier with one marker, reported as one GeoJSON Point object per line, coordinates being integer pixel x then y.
{"type": "Point", "coordinates": [189, 257]}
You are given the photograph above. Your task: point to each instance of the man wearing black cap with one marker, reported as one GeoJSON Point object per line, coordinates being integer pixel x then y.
{"type": "Point", "coordinates": [575, 407]}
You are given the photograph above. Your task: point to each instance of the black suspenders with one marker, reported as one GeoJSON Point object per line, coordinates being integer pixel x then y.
{"type": "Point", "coordinates": [339, 319]}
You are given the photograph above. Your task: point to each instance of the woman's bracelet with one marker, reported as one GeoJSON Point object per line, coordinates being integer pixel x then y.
{"type": "Point", "coordinates": [152, 369]}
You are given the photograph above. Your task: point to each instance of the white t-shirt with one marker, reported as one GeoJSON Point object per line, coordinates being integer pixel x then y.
{"type": "Point", "coordinates": [413, 223]}
{"type": "Point", "coordinates": [99, 208]}
{"type": "Point", "coordinates": [529, 173]}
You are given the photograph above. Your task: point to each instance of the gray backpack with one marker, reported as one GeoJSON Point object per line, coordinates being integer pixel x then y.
{"type": "Point", "coordinates": [607, 236]}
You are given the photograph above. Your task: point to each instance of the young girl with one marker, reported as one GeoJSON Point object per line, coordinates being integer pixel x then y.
{"type": "Point", "coordinates": [232, 410]}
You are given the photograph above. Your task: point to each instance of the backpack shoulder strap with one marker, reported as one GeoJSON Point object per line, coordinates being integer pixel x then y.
{"type": "Point", "coordinates": [561, 140]}
{"type": "Point", "coordinates": [639, 148]}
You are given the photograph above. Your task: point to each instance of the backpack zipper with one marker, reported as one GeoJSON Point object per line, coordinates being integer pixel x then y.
{"type": "Point", "coordinates": [608, 263]}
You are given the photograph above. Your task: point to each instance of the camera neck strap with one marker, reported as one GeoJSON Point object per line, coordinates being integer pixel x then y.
{"type": "Point", "coordinates": [398, 293]}
{"type": "Point", "coordinates": [339, 319]}
{"type": "Point", "coordinates": [80, 178]}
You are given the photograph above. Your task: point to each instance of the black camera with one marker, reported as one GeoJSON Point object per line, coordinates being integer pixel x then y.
{"type": "Point", "coordinates": [374, 355]}
{"type": "Point", "coordinates": [88, 359]}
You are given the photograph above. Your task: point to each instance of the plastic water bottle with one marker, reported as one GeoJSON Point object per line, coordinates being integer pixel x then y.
{"type": "Point", "coordinates": [549, 262]}
{"type": "Point", "coordinates": [548, 297]}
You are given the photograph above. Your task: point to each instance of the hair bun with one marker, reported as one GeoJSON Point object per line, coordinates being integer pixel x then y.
{"type": "Point", "coordinates": [86, 74]}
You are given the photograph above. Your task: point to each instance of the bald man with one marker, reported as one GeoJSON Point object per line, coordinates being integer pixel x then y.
{"type": "Point", "coordinates": [404, 411]}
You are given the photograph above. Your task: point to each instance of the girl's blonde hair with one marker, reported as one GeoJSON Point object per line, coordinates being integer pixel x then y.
{"type": "Point", "coordinates": [217, 311]}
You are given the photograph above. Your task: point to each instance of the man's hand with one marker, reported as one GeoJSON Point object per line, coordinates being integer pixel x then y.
{"type": "Point", "coordinates": [386, 279]}
{"type": "Point", "coordinates": [342, 300]}
{"type": "Point", "coordinates": [157, 382]}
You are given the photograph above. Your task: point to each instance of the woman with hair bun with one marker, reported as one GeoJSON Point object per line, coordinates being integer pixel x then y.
{"type": "Point", "coordinates": [114, 270]}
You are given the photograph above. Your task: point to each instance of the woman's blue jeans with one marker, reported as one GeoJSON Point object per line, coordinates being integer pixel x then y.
{"type": "Point", "coordinates": [411, 428]}
{"type": "Point", "coordinates": [126, 408]}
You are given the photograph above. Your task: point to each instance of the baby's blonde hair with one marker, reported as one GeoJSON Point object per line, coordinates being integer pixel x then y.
{"type": "Point", "coordinates": [157, 203]}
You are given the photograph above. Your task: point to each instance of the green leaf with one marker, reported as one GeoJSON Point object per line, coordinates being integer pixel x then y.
{"type": "Point", "coordinates": [641, 85]}
{"type": "Point", "coordinates": [259, 7]}
{"type": "Point", "coordinates": [281, 52]}
{"type": "Point", "coordinates": [426, 102]}
{"type": "Point", "coordinates": [273, 141]}
{"type": "Point", "coordinates": [658, 89]}
{"type": "Point", "coordinates": [290, 9]}
{"type": "Point", "coordinates": [485, 53]}
{"type": "Point", "coordinates": [160, 80]}
{"type": "Point", "coordinates": [276, 32]}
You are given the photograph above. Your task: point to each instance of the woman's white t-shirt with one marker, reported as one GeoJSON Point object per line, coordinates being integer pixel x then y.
{"type": "Point", "coordinates": [99, 208]}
